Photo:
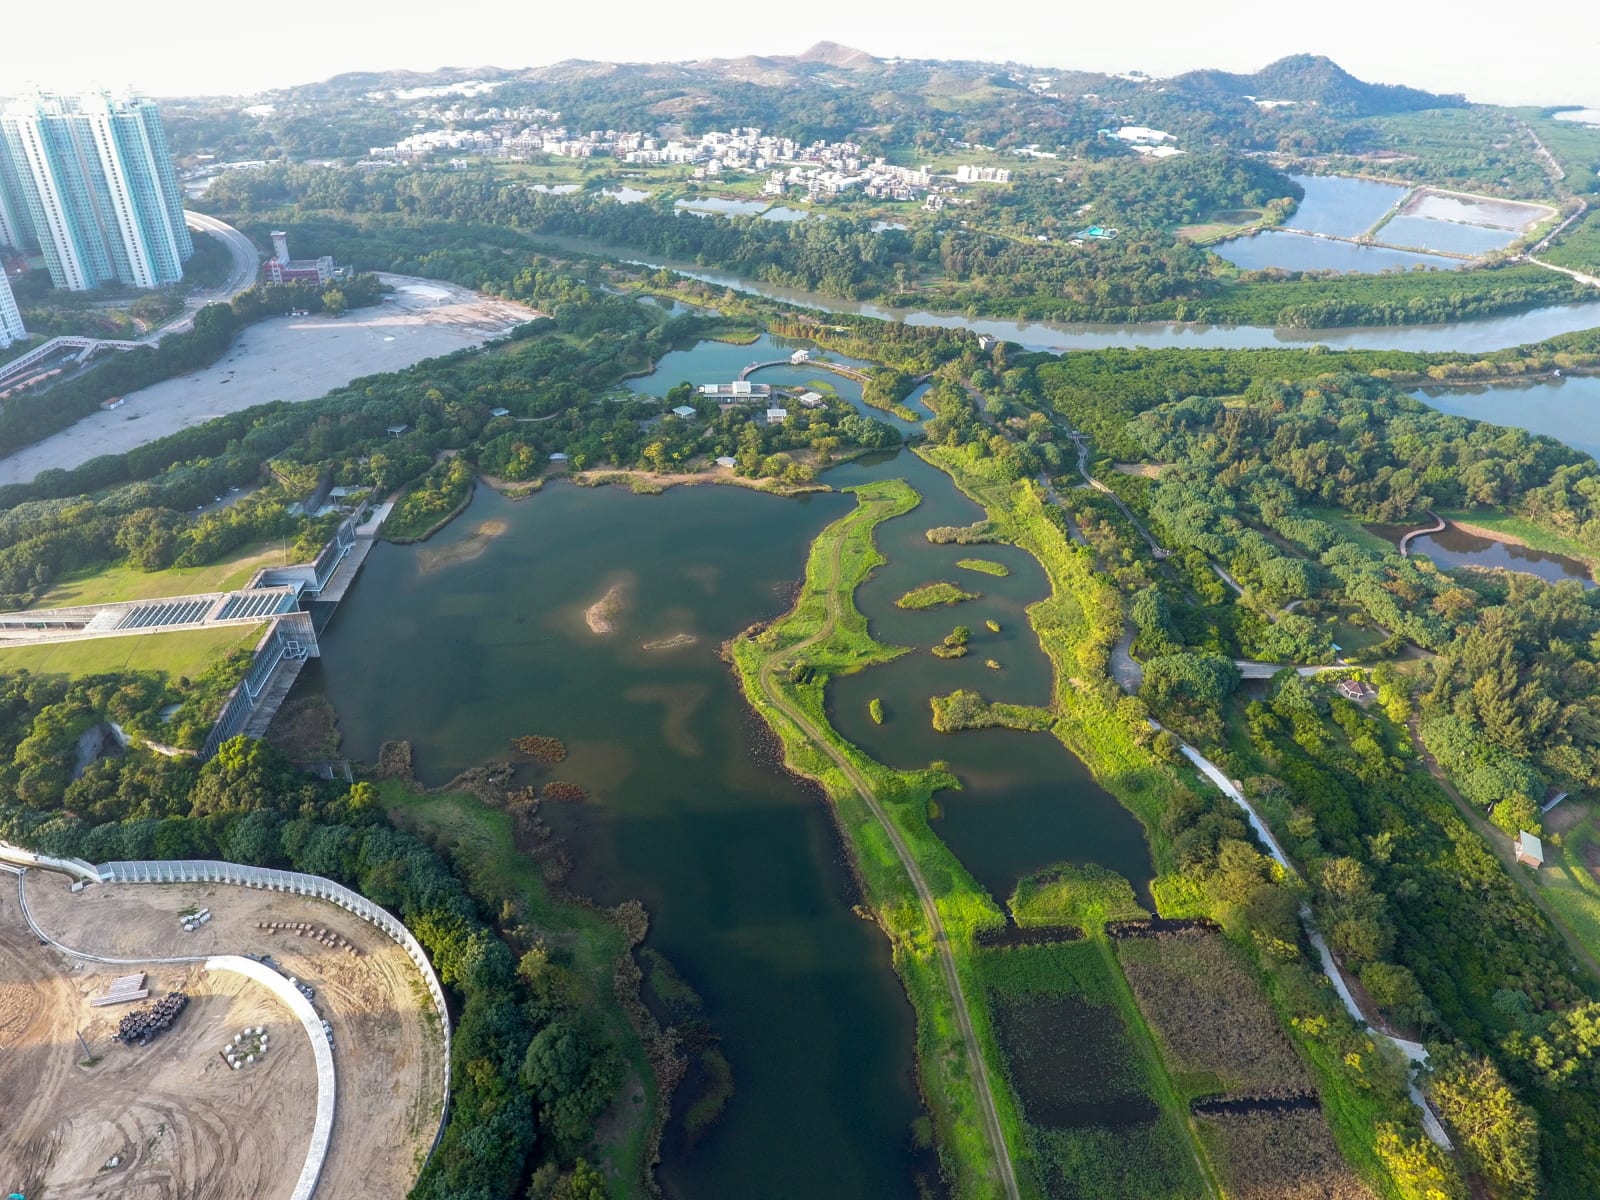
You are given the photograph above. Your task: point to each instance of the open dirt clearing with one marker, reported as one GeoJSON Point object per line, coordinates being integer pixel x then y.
{"type": "Point", "coordinates": [284, 358]}
{"type": "Point", "coordinates": [197, 1129]}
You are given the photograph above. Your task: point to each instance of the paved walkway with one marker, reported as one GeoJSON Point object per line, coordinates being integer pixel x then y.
{"type": "Point", "coordinates": [1414, 1052]}
{"type": "Point", "coordinates": [982, 1085]}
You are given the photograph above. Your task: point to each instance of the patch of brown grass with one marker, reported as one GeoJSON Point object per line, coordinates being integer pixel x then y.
{"type": "Point", "coordinates": [1278, 1156]}
{"type": "Point", "coordinates": [1209, 1014]}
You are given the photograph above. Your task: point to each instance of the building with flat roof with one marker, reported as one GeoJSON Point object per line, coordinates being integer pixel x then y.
{"type": "Point", "coordinates": [280, 268]}
{"type": "Point", "coordinates": [11, 329]}
{"type": "Point", "coordinates": [740, 389]}
{"type": "Point", "coordinates": [90, 178]}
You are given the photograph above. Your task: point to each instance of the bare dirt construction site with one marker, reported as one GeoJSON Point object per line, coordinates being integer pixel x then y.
{"type": "Point", "coordinates": [284, 358]}
{"type": "Point", "coordinates": [182, 1122]}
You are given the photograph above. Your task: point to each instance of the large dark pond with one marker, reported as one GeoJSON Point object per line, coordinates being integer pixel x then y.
{"type": "Point", "coordinates": [470, 640]}
{"type": "Point", "coordinates": [738, 863]}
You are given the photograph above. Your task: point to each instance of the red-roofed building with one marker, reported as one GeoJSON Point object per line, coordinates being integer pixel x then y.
{"type": "Point", "coordinates": [280, 268]}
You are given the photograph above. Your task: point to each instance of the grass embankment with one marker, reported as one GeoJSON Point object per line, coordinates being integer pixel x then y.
{"type": "Point", "coordinates": [1085, 897]}
{"type": "Point", "coordinates": [984, 566]}
{"type": "Point", "coordinates": [480, 842]}
{"type": "Point", "coordinates": [127, 582]}
{"type": "Point", "coordinates": [923, 898]}
{"type": "Point", "coordinates": [1077, 625]}
{"type": "Point", "coordinates": [933, 595]}
{"type": "Point", "coordinates": [175, 655]}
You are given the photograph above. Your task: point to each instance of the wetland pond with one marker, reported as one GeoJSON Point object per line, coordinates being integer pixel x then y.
{"type": "Point", "coordinates": [739, 864]}
{"type": "Point", "coordinates": [1565, 409]}
{"type": "Point", "coordinates": [1456, 547]}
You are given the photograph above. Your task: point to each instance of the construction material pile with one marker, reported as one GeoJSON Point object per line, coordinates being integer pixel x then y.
{"type": "Point", "coordinates": [247, 1046]}
{"type": "Point", "coordinates": [137, 1028]}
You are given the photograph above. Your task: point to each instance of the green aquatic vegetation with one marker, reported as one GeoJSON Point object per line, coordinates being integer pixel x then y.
{"type": "Point", "coordinates": [992, 625]}
{"type": "Point", "coordinates": [984, 566]}
{"type": "Point", "coordinates": [875, 711]}
{"type": "Point", "coordinates": [968, 710]}
{"type": "Point", "coordinates": [933, 595]}
{"type": "Point", "coordinates": [1084, 896]}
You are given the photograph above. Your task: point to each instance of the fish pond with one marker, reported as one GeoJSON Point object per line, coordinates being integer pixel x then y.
{"type": "Point", "coordinates": [1341, 205]}
{"type": "Point", "coordinates": [1282, 250]}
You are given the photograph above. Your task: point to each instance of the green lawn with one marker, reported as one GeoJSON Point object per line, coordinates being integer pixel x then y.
{"type": "Point", "coordinates": [1354, 530]}
{"type": "Point", "coordinates": [480, 843]}
{"type": "Point", "coordinates": [1570, 885]}
{"type": "Point", "coordinates": [174, 654]}
{"type": "Point", "coordinates": [124, 582]}
{"type": "Point", "coordinates": [1352, 638]}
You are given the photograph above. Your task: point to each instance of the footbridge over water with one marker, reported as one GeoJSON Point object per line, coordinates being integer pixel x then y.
{"type": "Point", "coordinates": [820, 364]}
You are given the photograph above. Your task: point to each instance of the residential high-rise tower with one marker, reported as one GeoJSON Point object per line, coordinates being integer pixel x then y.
{"type": "Point", "coordinates": [90, 178]}
{"type": "Point", "coordinates": [11, 329]}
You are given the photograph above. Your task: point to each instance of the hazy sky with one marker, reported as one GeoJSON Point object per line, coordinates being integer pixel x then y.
{"type": "Point", "coordinates": [1552, 58]}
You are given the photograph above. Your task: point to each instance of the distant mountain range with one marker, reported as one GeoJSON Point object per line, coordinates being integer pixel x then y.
{"type": "Point", "coordinates": [1313, 79]}
{"type": "Point", "coordinates": [1302, 78]}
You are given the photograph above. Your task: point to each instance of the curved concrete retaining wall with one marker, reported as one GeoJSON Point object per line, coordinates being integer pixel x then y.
{"type": "Point", "coordinates": [75, 867]}
{"type": "Point", "coordinates": [196, 870]}
{"type": "Point", "coordinates": [322, 1124]}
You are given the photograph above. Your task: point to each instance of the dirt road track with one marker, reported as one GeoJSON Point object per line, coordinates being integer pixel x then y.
{"type": "Point", "coordinates": [930, 909]}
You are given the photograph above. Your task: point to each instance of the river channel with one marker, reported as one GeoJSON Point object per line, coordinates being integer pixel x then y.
{"type": "Point", "coordinates": [1477, 336]}
{"type": "Point", "coordinates": [738, 863]}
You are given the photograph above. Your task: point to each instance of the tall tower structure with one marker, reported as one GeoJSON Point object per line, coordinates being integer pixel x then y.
{"type": "Point", "coordinates": [91, 179]}
{"type": "Point", "coordinates": [11, 329]}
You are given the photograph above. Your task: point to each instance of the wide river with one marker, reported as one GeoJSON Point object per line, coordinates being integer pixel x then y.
{"type": "Point", "coordinates": [1471, 337]}
{"type": "Point", "coordinates": [738, 863]}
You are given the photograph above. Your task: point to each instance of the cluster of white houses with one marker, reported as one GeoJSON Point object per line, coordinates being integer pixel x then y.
{"type": "Point", "coordinates": [817, 170]}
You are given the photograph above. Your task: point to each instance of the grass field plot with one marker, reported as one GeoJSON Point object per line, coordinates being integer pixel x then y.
{"type": "Point", "coordinates": [1094, 1122]}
